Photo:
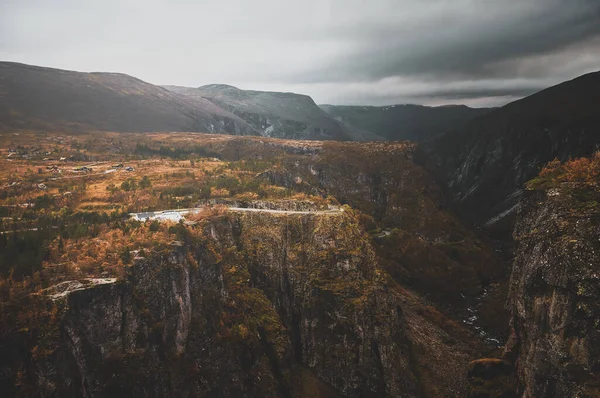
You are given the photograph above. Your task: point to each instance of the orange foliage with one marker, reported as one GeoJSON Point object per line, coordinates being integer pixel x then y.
{"type": "Point", "coordinates": [582, 170]}
{"type": "Point", "coordinates": [102, 256]}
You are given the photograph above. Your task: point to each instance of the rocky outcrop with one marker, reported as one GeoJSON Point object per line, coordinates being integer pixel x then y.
{"type": "Point", "coordinates": [234, 308]}
{"type": "Point", "coordinates": [555, 295]}
{"type": "Point", "coordinates": [345, 319]}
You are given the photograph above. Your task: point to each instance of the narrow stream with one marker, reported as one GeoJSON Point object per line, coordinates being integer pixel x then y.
{"type": "Point", "coordinates": [472, 318]}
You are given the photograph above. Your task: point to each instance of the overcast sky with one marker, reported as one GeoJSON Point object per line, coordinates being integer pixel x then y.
{"type": "Point", "coordinates": [338, 51]}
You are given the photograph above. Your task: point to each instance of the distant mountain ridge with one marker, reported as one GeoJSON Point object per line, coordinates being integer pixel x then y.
{"type": "Point", "coordinates": [45, 98]}
{"type": "Point", "coordinates": [274, 114]}
{"type": "Point", "coordinates": [405, 122]}
{"type": "Point", "coordinates": [39, 98]}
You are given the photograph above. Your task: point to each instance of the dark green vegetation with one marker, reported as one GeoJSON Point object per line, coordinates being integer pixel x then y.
{"type": "Point", "coordinates": [173, 153]}
{"type": "Point", "coordinates": [24, 244]}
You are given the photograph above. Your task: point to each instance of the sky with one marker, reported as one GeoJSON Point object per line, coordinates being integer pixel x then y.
{"type": "Point", "coordinates": [347, 52]}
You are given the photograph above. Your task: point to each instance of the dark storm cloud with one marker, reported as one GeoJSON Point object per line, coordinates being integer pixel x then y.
{"type": "Point", "coordinates": [480, 92]}
{"type": "Point", "coordinates": [339, 51]}
{"type": "Point", "coordinates": [478, 40]}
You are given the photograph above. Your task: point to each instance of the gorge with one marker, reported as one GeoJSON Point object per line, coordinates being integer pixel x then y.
{"type": "Point", "coordinates": [461, 265]}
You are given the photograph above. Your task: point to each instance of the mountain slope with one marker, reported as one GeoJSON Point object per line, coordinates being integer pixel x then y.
{"type": "Point", "coordinates": [274, 114]}
{"type": "Point", "coordinates": [45, 98]}
{"type": "Point", "coordinates": [404, 122]}
{"type": "Point", "coordinates": [486, 164]}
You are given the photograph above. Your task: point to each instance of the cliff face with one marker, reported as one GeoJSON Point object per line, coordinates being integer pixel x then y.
{"type": "Point", "coordinates": [486, 164]}
{"type": "Point", "coordinates": [554, 295]}
{"type": "Point", "coordinates": [240, 306]}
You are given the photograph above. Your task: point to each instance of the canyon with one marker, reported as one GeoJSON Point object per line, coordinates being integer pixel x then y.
{"type": "Point", "coordinates": [285, 258]}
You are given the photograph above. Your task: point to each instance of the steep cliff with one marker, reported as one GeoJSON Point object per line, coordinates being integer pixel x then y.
{"type": "Point", "coordinates": [486, 164]}
{"type": "Point", "coordinates": [241, 305]}
{"type": "Point", "coordinates": [554, 294]}
{"type": "Point", "coordinates": [421, 245]}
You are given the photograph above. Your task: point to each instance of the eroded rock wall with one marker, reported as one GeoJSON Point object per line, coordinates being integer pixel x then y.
{"type": "Point", "coordinates": [234, 308]}
{"type": "Point", "coordinates": [554, 297]}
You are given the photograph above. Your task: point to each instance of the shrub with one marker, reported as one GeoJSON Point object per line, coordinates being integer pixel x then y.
{"type": "Point", "coordinates": [129, 184]}
{"type": "Point", "coordinates": [578, 171]}
{"type": "Point", "coordinates": [145, 182]}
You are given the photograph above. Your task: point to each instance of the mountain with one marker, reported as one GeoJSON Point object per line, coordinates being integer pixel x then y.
{"type": "Point", "coordinates": [404, 122]}
{"type": "Point", "coordinates": [486, 164]}
{"type": "Point", "coordinates": [38, 98]}
{"type": "Point", "coordinates": [275, 114]}
{"type": "Point", "coordinates": [43, 98]}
